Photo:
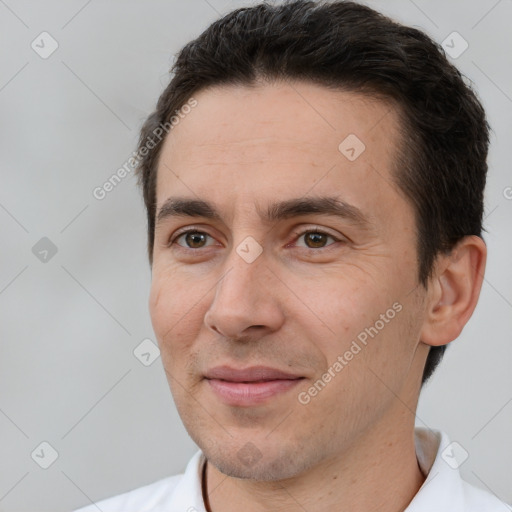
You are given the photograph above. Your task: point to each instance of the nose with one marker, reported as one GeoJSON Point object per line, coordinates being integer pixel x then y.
{"type": "Point", "coordinates": [245, 304]}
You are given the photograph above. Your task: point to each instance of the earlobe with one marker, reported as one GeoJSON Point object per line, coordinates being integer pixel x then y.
{"type": "Point", "coordinates": [453, 291]}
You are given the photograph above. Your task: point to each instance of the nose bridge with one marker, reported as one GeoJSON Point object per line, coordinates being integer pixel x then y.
{"type": "Point", "coordinates": [245, 269]}
{"type": "Point", "coordinates": [241, 297]}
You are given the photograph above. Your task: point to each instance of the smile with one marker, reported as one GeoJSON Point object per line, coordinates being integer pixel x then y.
{"type": "Point", "coordinates": [250, 393]}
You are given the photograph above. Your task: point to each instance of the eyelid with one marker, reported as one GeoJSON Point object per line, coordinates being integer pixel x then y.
{"type": "Point", "coordinates": [185, 230]}
{"type": "Point", "coordinates": [322, 231]}
{"type": "Point", "coordinates": [296, 233]}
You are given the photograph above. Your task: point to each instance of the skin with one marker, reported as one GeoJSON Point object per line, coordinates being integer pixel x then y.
{"type": "Point", "coordinates": [302, 302]}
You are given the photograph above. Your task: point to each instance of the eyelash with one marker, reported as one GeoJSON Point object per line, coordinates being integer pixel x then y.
{"type": "Point", "coordinates": [296, 234]}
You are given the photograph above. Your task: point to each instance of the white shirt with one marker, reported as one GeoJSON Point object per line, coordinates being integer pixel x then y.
{"type": "Point", "coordinates": [443, 490]}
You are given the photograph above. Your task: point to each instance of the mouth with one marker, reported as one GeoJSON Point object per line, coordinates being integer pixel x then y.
{"type": "Point", "coordinates": [250, 386]}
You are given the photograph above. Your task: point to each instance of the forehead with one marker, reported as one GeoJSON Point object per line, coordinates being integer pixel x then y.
{"type": "Point", "coordinates": [243, 143]}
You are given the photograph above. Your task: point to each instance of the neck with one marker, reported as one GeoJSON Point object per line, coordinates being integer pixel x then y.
{"type": "Point", "coordinates": [377, 473]}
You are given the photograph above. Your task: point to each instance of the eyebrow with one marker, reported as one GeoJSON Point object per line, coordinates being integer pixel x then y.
{"type": "Point", "coordinates": [329, 206]}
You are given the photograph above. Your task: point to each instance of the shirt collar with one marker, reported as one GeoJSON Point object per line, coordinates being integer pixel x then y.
{"type": "Point", "coordinates": [443, 488]}
{"type": "Point", "coordinates": [441, 491]}
{"type": "Point", "coordinates": [188, 496]}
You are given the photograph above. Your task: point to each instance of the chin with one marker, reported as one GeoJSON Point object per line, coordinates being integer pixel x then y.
{"type": "Point", "coordinates": [248, 462]}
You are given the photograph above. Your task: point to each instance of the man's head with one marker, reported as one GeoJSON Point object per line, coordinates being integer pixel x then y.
{"type": "Point", "coordinates": [294, 104]}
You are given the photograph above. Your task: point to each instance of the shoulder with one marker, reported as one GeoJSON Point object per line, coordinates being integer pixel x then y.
{"type": "Point", "coordinates": [145, 498]}
{"type": "Point", "coordinates": [477, 500]}
{"type": "Point", "coordinates": [444, 489]}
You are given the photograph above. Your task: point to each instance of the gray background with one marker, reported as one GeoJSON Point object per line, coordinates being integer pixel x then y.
{"type": "Point", "coordinates": [68, 326]}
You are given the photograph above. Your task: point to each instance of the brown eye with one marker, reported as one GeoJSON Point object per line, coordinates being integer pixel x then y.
{"type": "Point", "coordinates": [193, 239]}
{"type": "Point", "coordinates": [315, 239]}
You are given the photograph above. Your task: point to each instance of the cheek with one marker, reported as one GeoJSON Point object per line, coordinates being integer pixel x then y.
{"type": "Point", "coordinates": [366, 325]}
{"type": "Point", "coordinates": [172, 316]}
{"type": "Point", "coordinates": [338, 309]}
{"type": "Point", "coordinates": [158, 305]}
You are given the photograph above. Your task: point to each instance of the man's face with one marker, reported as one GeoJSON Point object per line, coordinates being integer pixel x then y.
{"type": "Point", "coordinates": [300, 304]}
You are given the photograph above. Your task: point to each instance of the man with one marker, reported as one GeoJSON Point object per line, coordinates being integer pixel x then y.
{"type": "Point", "coordinates": [314, 220]}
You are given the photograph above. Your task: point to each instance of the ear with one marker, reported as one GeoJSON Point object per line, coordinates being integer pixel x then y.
{"type": "Point", "coordinates": [453, 291]}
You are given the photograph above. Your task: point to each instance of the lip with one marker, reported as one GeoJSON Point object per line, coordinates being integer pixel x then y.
{"type": "Point", "coordinates": [251, 374]}
{"type": "Point", "coordinates": [249, 386]}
